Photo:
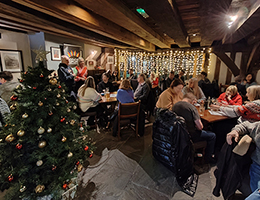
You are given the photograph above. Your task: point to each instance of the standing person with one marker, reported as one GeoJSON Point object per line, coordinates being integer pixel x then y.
{"type": "Point", "coordinates": [88, 99]}
{"type": "Point", "coordinates": [154, 84]}
{"type": "Point", "coordinates": [230, 97]}
{"type": "Point", "coordinates": [171, 95]}
{"type": "Point", "coordinates": [81, 73]}
{"type": "Point", "coordinates": [180, 75]}
{"type": "Point", "coordinates": [124, 95]}
{"type": "Point", "coordinates": [66, 74]}
{"type": "Point", "coordinates": [190, 113]}
{"type": "Point", "coordinates": [7, 85]}
{"type": "Point", "coordinates": [250, 80]}
{"type": "Point", "coordinates": [105, 83]}
{"type": "Point", "coordinates": [194, 88]}
{"type": "Point", "coordinates": [131, 74]}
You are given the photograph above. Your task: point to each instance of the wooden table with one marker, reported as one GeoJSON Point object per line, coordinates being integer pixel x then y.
{"type": "Point", "coordinates": [209, 118]}
{"type": "Point", "coordinates": [110, 100]}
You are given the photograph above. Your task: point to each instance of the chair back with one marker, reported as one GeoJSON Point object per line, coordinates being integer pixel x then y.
{"type": "Point", "coordinates": [128, 110]}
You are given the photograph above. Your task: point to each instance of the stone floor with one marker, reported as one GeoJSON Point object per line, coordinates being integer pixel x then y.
{"type": "Point", "coordinates": [135, 174]}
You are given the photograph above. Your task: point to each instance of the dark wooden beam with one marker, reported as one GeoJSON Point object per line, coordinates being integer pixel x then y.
{"type": "Point", "coordinates": [120, 14]}
{"type": "Point", "coordinates": [87, 20]}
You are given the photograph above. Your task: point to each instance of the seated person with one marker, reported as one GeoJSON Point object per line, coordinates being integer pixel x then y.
{"type": "Point", "coordinates": [241, 89]}
{"type": "Point", "coordinates": [88, 99]}
{"type": "Point", "coordinates": [249, 111]}
{"type": "Point", "coordinates": [250, 80]}
{"type": "Point", "coordinates": [81, 73]}
{"type": "Point", "coordinates": [131, 74]}
{"type": "Point", "coordinates": [171, 95]}
{"type": "Point", "coordinates": [230, 97]}
{"type": "Point", "coordinates": [204, 79]}
{"type": "Point", "coordinates": [115, 76]}
{"type": "Point", "coordinates": [180, 75]}
{"type": "Point", "coordinates": [105, 83]}
{"type": "Point", "coordinates": [142, 90]}
{"type": "Point", "coordinates": [190, 113]}
{"type": "Point", "coordinates": [124, 95]}
{"type": "Point", "coordinates": [253, 130]}
{"type": "Point", "coordinates": [194, 88]}
{"type": "Point", "coordinates": [7, 86]}
{"type": "Point", "coordinates": [169, 80]}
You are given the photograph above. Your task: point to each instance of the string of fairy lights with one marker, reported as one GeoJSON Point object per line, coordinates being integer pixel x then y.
{"type": "Point", "coordinates": [192, 61]}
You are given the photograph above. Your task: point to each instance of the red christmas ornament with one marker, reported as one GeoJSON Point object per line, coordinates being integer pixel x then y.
{"type": "Point", "coordinates": [10, 178]}
{"type": "Point", "coordinates": [14, 98]}
{"type": "Point", "coordinates": [55, 74]}
{"type": "Point", "coordinates": [25, 72]}
{"type": "Point", "coordinates": [91, 155]}
{"type": "Point", "coordinates": [34, 88]}
{"type": "Point", "coordinates": [50, 113]}
{"type": "Point", "coordinates": [19, 146]}
{"type": "Point", "coordinates": [21, 80]}
{"type": "Point", "coordinates": [67, 101]}
{"type": "Point", "coordinates": [41, 75]}
{"type": "Point", "coordinates": [77, 163]}
{"type": "Point", "coordinates": [53, 168]}
{"type": "Point", "coordinates": [64, 186]}
{"type": "Point", "coordinates": [86, 148]}
{"type": "Point", "coordinates": [62, 120]}
{"type": "Point", "coordinates": [45, 98]}
{"type": "Point", "coordinates": [59, 86]}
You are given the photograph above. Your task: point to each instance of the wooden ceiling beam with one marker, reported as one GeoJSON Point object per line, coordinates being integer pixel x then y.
{"type": "Point", "coordinates": [120, 14]}
{"type": "Point", "coordinates": [19, 18]}
{"type": "Point", "coordinates": [87, 20]}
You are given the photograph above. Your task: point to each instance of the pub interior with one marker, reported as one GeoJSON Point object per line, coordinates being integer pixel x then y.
{"type": "Point", "coordinates": [165, 94]}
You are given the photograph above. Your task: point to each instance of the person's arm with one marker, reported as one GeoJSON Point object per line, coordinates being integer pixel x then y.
{"type": "Point", "coordinates": [202, 95]}
{"type": "Point", "coordinates": [64, 75]}
{"type": "Point", "coordinates": [231, 112]}
{"type": "Point", "coordinates": [198, 124]}
{"type": "Point", "coordinates": [236, 101]}
{"type": "Point", "coordinates": [221, 97]}
{"type": "Point", "coordinates": [99, 87]}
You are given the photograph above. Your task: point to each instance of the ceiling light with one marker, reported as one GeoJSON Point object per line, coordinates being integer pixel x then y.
{"type": "Point", "coordinates": [194, 34]}
{"type": "Point", "coordinates": [142, 12]}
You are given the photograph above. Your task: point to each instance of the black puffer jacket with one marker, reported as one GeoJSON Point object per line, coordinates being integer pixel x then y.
{"type": "Point", "coordinates": [172, 145]}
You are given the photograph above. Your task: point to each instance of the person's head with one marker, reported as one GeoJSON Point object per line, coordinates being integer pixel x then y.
{"type": "Point", "coordinates": [171, 75]}
{"type": "Point", "coordinates": [152, 75]}
{"type": "Point", "coordinates": [181, 72]}
{"type": "Point", "coordinates": [131, 71]}
{"type": "Point", "coordinates": [199, 77]}
{"type": "Point", "coordinates": [238, 79]}
{"type": "Point", "coordinates": [65, 59]}
{"type": "Point", "coordinates": [5, 76]}
{"type": "Point", "coordinates": [231, 90]}
{"type": "Point", "coordinates": [253, 92]}
{"type": "Point", "coordinates": [189, 97]}
{"type": "Point", "coordinates": [177, 85]}
{"type": "Point", "coordinates": [89, 82]}
{"type": "Point", "coordinates": [204, 74]}
{"type": "Point", "coordinates": [81, 62]}
{"type": "Point", "coordinates": [250, 78]}
{"type": "Point", "coordinates": [125, 85]}
{"type": "Point", "coordinates": [115, 73]}
{"type": "Point", "coordinates": [193, 83]}
{"type": "Point", "coordinates": [105, 77]}
{"type": "Point", "coordinates": [141, 78]}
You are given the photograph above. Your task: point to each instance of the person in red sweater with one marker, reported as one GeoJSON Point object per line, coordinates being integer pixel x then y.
{"type": "Point", "coordinates": [230, 97]}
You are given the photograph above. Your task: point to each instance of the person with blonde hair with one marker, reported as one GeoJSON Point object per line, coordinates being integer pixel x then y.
{"type": "Point", "coordinates": [171, 95]}
{"type": "Point", "coordinates": [249, 111]}
{"type": "Point", "coordinates": [81, 73]}
{"type": "Point", "coordinates": [88, 98]}
{"type": "Point", "coordinates": [230, 97]}
{"type": "Point", "coordinates": [194, 88]}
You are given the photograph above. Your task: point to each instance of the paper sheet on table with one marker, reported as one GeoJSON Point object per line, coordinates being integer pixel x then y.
{"type": "Point", "coordinates": [216, 113]}
{"type": "Point", "coordinates": [112, 95]}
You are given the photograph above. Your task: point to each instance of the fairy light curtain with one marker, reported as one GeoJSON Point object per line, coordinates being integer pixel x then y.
{"type": "Point", "coordinates": [191, 61]}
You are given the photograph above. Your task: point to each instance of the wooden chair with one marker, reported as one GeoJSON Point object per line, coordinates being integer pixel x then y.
{"type": "Point", "coordinates": [127, 111]}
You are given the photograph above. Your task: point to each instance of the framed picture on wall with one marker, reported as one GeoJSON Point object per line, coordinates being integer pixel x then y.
{"type": "Point", "coordinates": [55, 53]}
{"type": "Point", "coordinates": [73, 52]}
{"type": "Point", "coordinates": [11, 60]}
{"type": "Point", "coordinates": [110, 59]}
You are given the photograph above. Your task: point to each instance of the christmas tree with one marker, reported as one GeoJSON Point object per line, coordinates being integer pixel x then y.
{"type": "Point", "coordinates": [43, 142]}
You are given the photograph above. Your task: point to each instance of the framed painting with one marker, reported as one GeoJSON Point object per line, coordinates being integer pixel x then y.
{"type": "Point", "coordinates": [55, 53]}
{"type": "Point", "coordinates": [11, 60]}
{"type": "Point", "coordinates": [73, 52]}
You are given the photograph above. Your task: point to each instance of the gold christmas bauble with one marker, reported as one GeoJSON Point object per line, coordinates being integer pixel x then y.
{"type": "Point", "coordinates": [58, 95]}
{"type": "Point", "coordinates": [72, 122]}
{"type": "Point", "coordinates": [1, 140]}
{"type": "Point", "coordinates": [39, 163]}
{"type": "Point", "coordinates": [63, 139]}
{"type": "Point", "coordinates": [18, 87]}
{"type": "Point", "coordinates": [53, 81]}
{"type": "Point", "coordinates": [42, 144]}
{"type": "Point", "coordinates": [74, 107]}
{"type": "Point", "coordinates": [63, 90]}
{"type": "Point", "coordinates": [13, 107]}
{"type": "Point", "coordinates": [39, 188]}
{"type": "Point", "coordinates": [80, 167]}
{"type": "Point", "coordinates": [41, 130]}
{"type": "Point", "coordinates": [40, 103]}
{"type": "Point", "coordinates": [68, 110]}
{"type": "Point", "coordinates": [49, 89]}
{"type": "Point", "coordinates": [70, 154]}
{"type": "Point", "coordinates": [22, 189]}
{"type": "Point", "coordinates": [9, 138]}
{"type": "Point", "coordinates": [25, 115]}
{"type": "Point", "coordinates": [57, 104]}
{"type": "Point", "coordinates": [20, 133]}
{"type": "Point", "coordinates": [49, 130]}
